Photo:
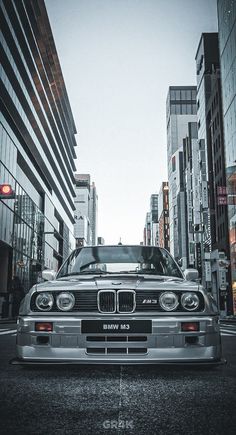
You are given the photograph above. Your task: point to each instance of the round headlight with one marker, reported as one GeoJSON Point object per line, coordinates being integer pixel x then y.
{"type": "Point", "coordinates": [65, 301]}
{"type": "Point", "coordinates": [44, 301]}
{"type": "Point", "coordinates": [190, 301]}
{"type": "Point", "coordinates": [168, 301]}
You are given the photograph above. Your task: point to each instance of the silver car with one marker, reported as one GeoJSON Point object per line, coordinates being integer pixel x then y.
{"type": "Point", "coordinates": [119, 304]}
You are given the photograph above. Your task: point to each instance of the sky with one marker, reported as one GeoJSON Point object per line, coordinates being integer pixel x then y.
{"type": "Point", "coordinates": [118, 58]}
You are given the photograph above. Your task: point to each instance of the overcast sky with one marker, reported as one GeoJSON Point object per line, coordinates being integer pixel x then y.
{"type": "Point", "coordinates": [118, 58]}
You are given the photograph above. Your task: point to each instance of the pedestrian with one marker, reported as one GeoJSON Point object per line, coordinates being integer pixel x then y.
{"type": "Point", "coordinates": [17, 295]}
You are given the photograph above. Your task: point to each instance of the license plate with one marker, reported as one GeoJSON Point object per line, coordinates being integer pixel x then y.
{"type": "Point", "coordinates": [116, 326]}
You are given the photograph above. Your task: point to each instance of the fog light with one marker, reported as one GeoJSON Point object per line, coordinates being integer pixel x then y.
{"type": "Point", "coordinates": [191, 339]}
{"type": "Point", "coordinates": [43, 326]}
{"type": "Point", "coordinates": [190, 326]}
{"type": "Point", "coordinates": [43, 339]}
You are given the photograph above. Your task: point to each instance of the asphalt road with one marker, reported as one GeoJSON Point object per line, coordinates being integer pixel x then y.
{"type": "Point", "coordinates": [117, 399]}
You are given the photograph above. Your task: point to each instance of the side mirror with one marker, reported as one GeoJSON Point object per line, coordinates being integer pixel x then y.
{"type": "Point", "coordinates": [48, 275]}
{"type": "Point", "coordinates": [191, 274]}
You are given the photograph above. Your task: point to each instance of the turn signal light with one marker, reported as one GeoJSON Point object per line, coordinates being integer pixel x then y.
{"type": "Point", "coordinates": [190, 326]}
{"type": "Point", "coordinates": [43, 326]}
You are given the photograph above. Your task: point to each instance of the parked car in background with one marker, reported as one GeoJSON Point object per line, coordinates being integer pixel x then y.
{"type": "Point", "coordinates": [119, 304]}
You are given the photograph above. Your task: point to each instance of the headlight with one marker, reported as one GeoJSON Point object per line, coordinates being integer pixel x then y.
{"type": "Point", "coordinates": [65, 301]}
{"type": "Point", "coordinates": [190, 301]}
{"type": "Point", "coordinates": [44, 301]}
{"type": "Point", "coordinates": [168, 301]}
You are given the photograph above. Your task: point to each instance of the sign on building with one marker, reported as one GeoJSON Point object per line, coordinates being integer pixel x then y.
{"type": "Point", "coordinates": [204, 194]}
{"type": "Point", "coordinates": [208, 271]}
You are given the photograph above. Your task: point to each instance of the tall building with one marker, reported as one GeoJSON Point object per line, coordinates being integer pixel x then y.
{"type": "Point", "coordinates": [210, 132]}
{"type": "Point", "coordinates": [227, 43]}
{"type": "Point", "coordinates": [82, 227]}
{"type": "Point", "coordinates": [207, 60]}
{"type": "Point", "coordinates": [85, 228]}
{"type": "Point", "coordinates": [163, 216]}
{"type": "Point", "coordinates": [154, 219]}
{"type": "Point", "coordinates": [93, 213]}
{"type": "Point", "coordinates": [37, 147]}
{"type": "Point", "coordinates": [192, 163]}
{"type": "Point", "coordinates": [150, 235]}
{"type": "Point", "coordinates": [147, 230]}
{"type": "Point", "coordinates": [180, 110]}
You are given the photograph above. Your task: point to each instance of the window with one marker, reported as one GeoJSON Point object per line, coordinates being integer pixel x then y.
{"type": "Point", "coordinates": [173, 164]}
{"type": "Point", "coordinates": [177, 95]}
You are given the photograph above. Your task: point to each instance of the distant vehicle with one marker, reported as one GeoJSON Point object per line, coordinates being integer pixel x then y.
{"type": "Point", "coordinates": [119, 304]}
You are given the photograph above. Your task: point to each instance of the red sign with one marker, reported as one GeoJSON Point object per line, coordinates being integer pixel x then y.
{"type": "Point", "coordinates": [221, 190]}
{"type": "Point", "coordinates": [222, 200]}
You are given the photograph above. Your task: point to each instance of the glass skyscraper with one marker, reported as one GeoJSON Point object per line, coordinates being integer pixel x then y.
{"type": "Point", "coordinates": [180, 110]}
{"type": "Point", "coordinates": [37, 147]}
{"type": "Point", "coordinates": [227, 40]}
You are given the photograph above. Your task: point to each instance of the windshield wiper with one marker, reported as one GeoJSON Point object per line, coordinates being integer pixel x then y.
{"type": "Point", "coordinates": [87, 272]}
{"type": "Point", "coordinates": [91, 272]}
{"type": "Point", "coordinates": [150, 272]}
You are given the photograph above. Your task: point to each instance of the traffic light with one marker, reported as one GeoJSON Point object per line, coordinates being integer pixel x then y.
{"type": "Point", "coordinates": [6, 191]}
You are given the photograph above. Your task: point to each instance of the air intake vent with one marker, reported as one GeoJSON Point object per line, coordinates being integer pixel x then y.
{"type": "Point", "coordinates": [107, 301]}
{"type": "Point", "coordinates": [126, 301]}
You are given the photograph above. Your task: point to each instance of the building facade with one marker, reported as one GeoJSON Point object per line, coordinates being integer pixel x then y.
{"type": "Point", "coordinates": [191, 170]}
{"type": "Point", "coordinates": [147, 240]}
{"type": "Point", "coordinates": [85, 228]}
{"type": "Point", "coordinates": [207, 60]}
{"type": "Point", "coordinates": [154, 219]}
{"type": "Point", "coordinates": [93, 213]}
{"type": "Point", "coordinates": [151, 228]}
{"type": "Point", "coordinates": [37, 147]}
{"type": "Point", "coordinates": [210, 132]}
{"type": "Point", "coordinates": [163, 216]}
{"type": "Point", "coordinates": [82, 227]}
{"type": "Point", "coordinates": [180, 110]}
{"type": "Point", "coordinates": [227, 44]}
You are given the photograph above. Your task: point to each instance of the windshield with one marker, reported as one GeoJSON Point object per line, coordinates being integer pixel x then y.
{"type": "Point", "coordinates": [120, 259]}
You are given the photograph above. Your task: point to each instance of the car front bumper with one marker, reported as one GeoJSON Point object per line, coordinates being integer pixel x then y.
{"type": "Point", "coordinates": [165, 344]}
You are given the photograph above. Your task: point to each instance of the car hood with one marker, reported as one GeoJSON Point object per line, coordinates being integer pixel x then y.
{"type": "Point", "coordinates": [118, 282]}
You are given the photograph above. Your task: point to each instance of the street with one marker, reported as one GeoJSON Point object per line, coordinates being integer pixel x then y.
{"type": "Point", "coordinates": [117, 399]}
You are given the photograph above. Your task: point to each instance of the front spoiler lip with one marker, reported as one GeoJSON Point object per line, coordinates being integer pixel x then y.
{"type": "Point", "coordinates": [19, 361]}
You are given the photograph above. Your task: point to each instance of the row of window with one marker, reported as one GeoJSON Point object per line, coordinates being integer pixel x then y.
{"type": "Point", "coordinates": [26, 117]}
{"type": "Point", "coordinates": [24, 227]}
{"type": "Point", "coordinates": [8, 151]}
{"type": "Point", "coordinates": [30, 59]}
{"type": "Point", "coordinates": [227, 16]}
{"type": "Point", "coordinates": [183, 94]}
{"type": "Point", "coordinates": [183, 109]}
{"type": "Point", "coordinates": [229, 83]}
